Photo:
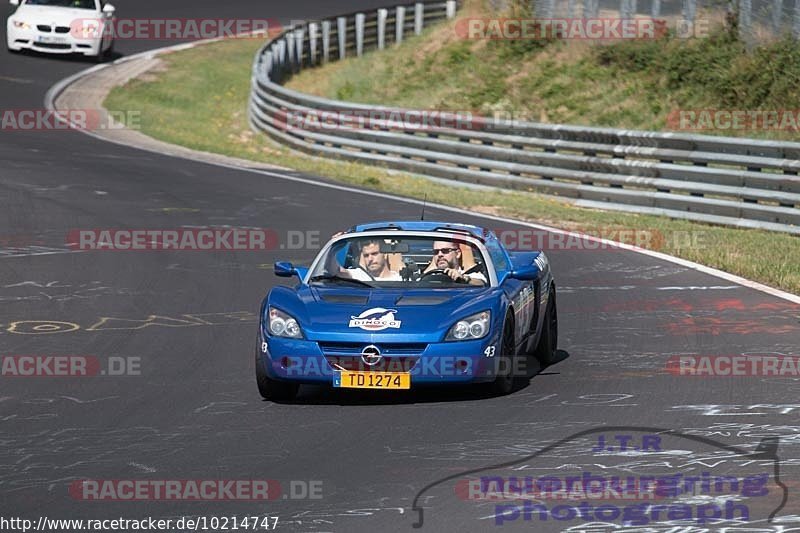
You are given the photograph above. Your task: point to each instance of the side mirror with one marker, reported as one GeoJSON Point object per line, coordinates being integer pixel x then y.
{"type": "Point", "coordinates": [284, 269]}
{"type": "Point", "coordinates": [526, 273]}
{"type": "Point", "coordinates": [109, 10]}
{"type": "Point", "coordinates": [13, 2]}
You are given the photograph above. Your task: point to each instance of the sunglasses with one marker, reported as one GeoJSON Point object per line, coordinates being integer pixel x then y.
{"type": "Point", "coordinates": [444, 251]}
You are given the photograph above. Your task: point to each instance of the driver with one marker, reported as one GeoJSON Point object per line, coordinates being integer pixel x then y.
{"type": "Point", "coordinates": [447, 257]}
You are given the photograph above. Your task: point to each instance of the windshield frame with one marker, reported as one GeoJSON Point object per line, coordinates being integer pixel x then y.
{"type": "Point", "coordinates": [96, 6]}
{"type": "Point", "coordinates": [443, 235]}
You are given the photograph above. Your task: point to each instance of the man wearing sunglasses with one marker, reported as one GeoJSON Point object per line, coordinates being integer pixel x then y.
{"type": "Point", "coordinates": [447, 257]}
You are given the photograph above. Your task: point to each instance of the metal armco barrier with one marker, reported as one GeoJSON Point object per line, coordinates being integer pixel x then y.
{"type": "Point", "coordinates": [719, 180]}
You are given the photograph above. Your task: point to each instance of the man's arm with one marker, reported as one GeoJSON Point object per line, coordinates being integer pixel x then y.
{"type": "Point", "coordinates": [471, 279]}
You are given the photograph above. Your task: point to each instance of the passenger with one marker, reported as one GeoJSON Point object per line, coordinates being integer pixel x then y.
{"type": "Point", "coordinates": [375, 264]}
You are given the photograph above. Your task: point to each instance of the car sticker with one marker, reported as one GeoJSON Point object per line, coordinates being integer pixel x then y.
{"type": "Point", "coordinates": [375, 319]}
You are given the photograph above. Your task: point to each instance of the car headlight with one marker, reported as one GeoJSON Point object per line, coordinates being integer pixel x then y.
{"type": "Point", "coordinates": [21, 25]}
{"type": "Point", "coordinates": [283, 325]}
{"type": "Point", "coordinates": [86, 29]}
{"type": "Point", "coordinates": [473, 327]}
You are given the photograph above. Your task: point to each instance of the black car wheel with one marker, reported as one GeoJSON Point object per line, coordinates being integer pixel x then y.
{"type": "Point", "coordinates": [271, 389]}
{"type": "Point", "coordinates": [504, 379]}
{"type": "Point", "coordinates": [548, 340]}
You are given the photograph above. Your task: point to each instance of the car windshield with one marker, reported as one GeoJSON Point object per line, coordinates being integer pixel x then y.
{"type": "Point", "coordinates": [76, 4]}
{"type": "Point", "coordinates": [391, 261]}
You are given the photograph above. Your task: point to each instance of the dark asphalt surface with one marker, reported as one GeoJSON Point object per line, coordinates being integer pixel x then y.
{"type": "Point", "coordinates": [194, 412]}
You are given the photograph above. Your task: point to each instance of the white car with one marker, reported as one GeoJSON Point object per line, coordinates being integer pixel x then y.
{"type": "Point", "coordinates": [62, 27]}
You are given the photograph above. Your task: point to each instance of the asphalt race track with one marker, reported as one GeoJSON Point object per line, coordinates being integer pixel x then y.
{"type": "Point", "coordinates": [366, 458]}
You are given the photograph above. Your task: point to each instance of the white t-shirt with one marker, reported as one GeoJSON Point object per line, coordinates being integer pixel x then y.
{"type": "Point", "coordinates": [477, 275]}
{"type": "Point", "coordinates": [361, 275]}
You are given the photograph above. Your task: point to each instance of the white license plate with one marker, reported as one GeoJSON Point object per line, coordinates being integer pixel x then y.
{"type": "Point", "coordinates": [49, 39]}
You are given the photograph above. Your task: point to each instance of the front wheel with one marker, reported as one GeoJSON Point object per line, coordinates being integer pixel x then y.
{"type": "Point", "coordinates": [504, 380]}
{"type": "Point", "coordinates": [271, 389]}
{"type": "Point", "coordinates": [104, 55]}
{"type": "Point", "coordinates": [548, 339]}
{"type": "Point", "coordinates": [109, 53]}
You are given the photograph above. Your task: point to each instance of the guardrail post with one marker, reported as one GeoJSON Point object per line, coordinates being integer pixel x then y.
{"type": "Point", "coordinates": [777, 11]}
{"type": "Point", "coordinates": [341, 26]}
{"type": "Point", "coordinates": [450, 9]}
{"type": "Point", "coordinates": [655, 10]}
{"type": "Point", "coordinates": [624, 9]}
{"type": "Point", "coordinates": [745, 20]}
{"type": "Point", "coordinates": [545, 9]}
{"type": "Point", "coordinates": [360, 34]}
{"type": "Point", "coordinates": [326, 41]}
{"type": "Point", "coordinates": [290, 55]}
{"type": "Point", "coordinates": [267, 64]}
{"type": "Point", "coordinates": [299, 48]}
{"type": "Point", "coordinates": [590, 8]}
{"type": "Point", "coordinates": [282, 53]}
{"type": "Point", "coordinates": [796, 19]}
{"type": "Point", "coordinates": [280, 59]}
{"type": "Point", "coordinates": [383, 14]}
{"type": "Point", "coordinates": [419, 12]}
{"type": "Point", "coordinates": [399, 24]}
{"type": "Point", "coordinates": [313, 28]}
{"type": "Point", "coordinates": [689, 10]}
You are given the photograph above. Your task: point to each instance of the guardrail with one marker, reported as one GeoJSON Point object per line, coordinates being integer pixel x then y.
{"type": "Point", "coordinates": [719, 180]}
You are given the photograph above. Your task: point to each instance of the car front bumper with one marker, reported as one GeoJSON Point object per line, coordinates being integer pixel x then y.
{"type": "Point", "coordinates": [51, 42]}
{"type": "Point", "coordinates": [303, 361]}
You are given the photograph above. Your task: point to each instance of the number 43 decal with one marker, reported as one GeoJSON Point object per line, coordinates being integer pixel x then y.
{"type": "Point", "coordinates": [489, 351]}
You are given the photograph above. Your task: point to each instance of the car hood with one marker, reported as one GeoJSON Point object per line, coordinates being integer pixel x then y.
{"type": "Point", "coordinates": [58, 16]}
{"type": "Point", "coordinates": [381, 315]}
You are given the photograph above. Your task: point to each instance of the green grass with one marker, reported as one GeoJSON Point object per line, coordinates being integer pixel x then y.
{"type": "Point", "coordinates": [626, 84]}
{"type": "Point", "coordinates": [200, 101]}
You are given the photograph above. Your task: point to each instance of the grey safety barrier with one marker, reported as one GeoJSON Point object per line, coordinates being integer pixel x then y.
{"type": "Point", "coordinates": [720, 180]}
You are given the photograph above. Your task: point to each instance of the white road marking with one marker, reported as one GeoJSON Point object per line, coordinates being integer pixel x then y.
{"type": "Point", "coordinates": [693, 288]}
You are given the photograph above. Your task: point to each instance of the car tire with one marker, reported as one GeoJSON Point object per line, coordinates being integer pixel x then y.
{"type": "Point", "coordinates": [104, 55]}
{"type": "Point", "coordinates": [547, 347]}
{"type": "Point", "coordinates": [271, 389]}
{"type": "Point", "coordinates": [504, 380]}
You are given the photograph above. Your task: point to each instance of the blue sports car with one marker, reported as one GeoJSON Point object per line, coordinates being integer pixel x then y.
{"type": "Point", "coordinates": [395, 305]}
